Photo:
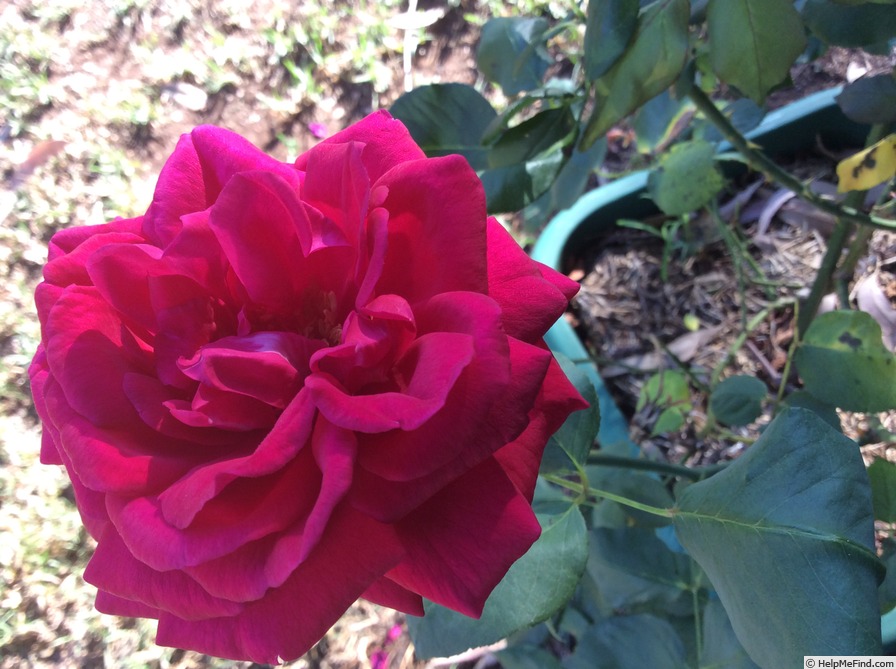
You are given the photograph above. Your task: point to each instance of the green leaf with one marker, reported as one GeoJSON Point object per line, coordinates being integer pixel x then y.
{"type": "Point", "coordinates": [847, 346]}
{"type": "Point", "coordinates": [870, 99]}
{"type": "Point", "coordinates": [576, 436]}
{"type": "Point", "coordinates": [511, 53]}
{"type": "Point", "coordinates": [632, 567]}
{"type": "Point", "coordinates": [569, 184]}
{"type": "Point", "coordinates": [648, 67]}
{"type": "Point", "coordinates": [609, 27]}
{"type": "Point", "coordinates": [629, 642]}
{"type": "Point", "coordinates": [656, 120]}
{"type": "Point", "coordinates": [738, 400]}
{"type": "Point", "coordinates": [537, 585]}
{"type": "Point", "coordinates": [753, 43]}
{"type": "Point", "coordinates": [512, 187]}
{"type": "Point", "coordinates": [527, 657]}
{"type": "Point", "coordinates": [744, 115]}
{"type": "Point", "coordinates": [686, 179]}
{"type": "Point", "coordinates": [786, 536]}
{"type": "Point", "coordinates": [882, 475]}
{"type": "Point", "coordinates": [532, 137]}
{"type": "Point", "coordinates": [868, 25]}
{"type": "Point", "coordinates": [720, 645]}
{"type": "Point", "coordinates": [667, 391]}
{"type": "Point", "coordinates": [806, 400]}
{"type": "Point", "coordinates": [635, 486]}
{"type": "Point", "coordinates": [886, 593]}
{"type": "Point", "coordinates": [445, 119]}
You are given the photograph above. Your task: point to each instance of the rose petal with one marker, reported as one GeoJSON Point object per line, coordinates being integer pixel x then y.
{"type": "Point", "coordinates": [121, 274]}
{"type": "Point", "coordinates": [521, 458]}
{"type": "Point", "coordinates": [38, 375]}
{"type": "Point", "coordinates": [116, 606]}
{"type": "Point", "coordinates": [477, 348]}
{"type": "Point", "coordinates": [437, 240]}
{"type": "Point", "coordinates": [84, 335]}
{"type": "Point", "coordinates": [183, 500]}
{"type": "Point", "coordinates": [114, 570]}
{"type": "Point", "coordinates": [180, 190]}
{"type": "Point", "coordinates": [374, 339]}
{"type": "Point", "coordinates": [131, 461]}
{"type": "Point", "coordinates": [511, 274]}
{"type": "Point", "coordinates": [433, 363]}
{"type": "Point", "coordinates": [149, 397]}
{"type": "Point", "coordinates": [387, 592]}
{"type": "Point", "coordinates": [223, 154]}
{"type": "Point", "coordinates": [71, 268]}
{"type": "Point", "coordinates": [68, 240]}
{"type": "Point", "coordinates": [256, 220]}
{"type": "Point", "coordinates": [395, 478]}
{"type": "Point", "coordinates": [91, 505]}
{"type": "Point", "coordinates": [223, 410]}
{"type": "Point", "coordinates": [334, 451]}
{"type": "Point", "coordinates": [267, 366]}
{"type": "Point", "coordinates": [240, 575]}
{"type": "Point", "coordinates": [246, 509]}
{"type": "Point", "coordinates": [386, 141]}
{"type": "Point", "coordinates": [353, 553]}
{"type": "Point", "coordinates": [337, 186]}
{"type": "Point", "coordinates": [195, 174]}
{"type": "Point", "coordinates": [460, 544]}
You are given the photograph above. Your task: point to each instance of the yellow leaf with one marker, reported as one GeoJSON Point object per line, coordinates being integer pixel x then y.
{"type": "Point", "coordinates": [869, 167]}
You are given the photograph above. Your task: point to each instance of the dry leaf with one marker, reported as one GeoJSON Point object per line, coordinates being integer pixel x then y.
{"type": "Point", "coordinates": [869, 167]}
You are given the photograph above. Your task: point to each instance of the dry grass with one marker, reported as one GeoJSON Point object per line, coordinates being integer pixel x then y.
{"type": "Point", "coordinates": [93, 95]}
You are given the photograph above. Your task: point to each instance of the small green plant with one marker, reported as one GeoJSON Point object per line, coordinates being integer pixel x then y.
{"type": "Point", "coordinates": [771, 557]}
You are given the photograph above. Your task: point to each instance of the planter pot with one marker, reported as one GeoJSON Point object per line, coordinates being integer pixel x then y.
{"type": "Point", "coordinates": [783, 131]}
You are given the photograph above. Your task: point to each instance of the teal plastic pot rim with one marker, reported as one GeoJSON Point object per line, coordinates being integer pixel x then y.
{"type": "Point", "coordinates": [553, 241]}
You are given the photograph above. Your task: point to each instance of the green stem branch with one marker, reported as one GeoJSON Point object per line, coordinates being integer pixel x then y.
{"type": "Point", "coordinates": [641, 464]}
{"type": "Point", "coordinates": [578, 488]}
{"type": "Point", "coordinates": [843, 231]}
{"type": "Point", "coordinates": [774, 172]}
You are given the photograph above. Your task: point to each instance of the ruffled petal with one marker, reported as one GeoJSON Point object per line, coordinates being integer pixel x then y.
{"type": "Point", "coordinates": [245, 510]}
{"type": "Point", "coordinates": [465, 328]}
{"type": "Point", "coordinates": [114, 570]}
{"type": "Point", "coordinates": [386, 143]}
{"type": "Point", "coordinates": [521, 458]}
{"type": "Point", "coordinates": [256, 220]}
{"type": "Point", "coordinates": [437, 240]}
{"type": "Point", "coordinates": [117, 606]}
{"type": "Point", "coordinates": [222, 154]}
{"type": "Point", "coordinates": [89, 352]}
{"type": "Point", "coordinates": [180, 190]}
{"type": "Point", "coordinates": [387, 592]}
{"type": "Point", "coordinates": [512, 275]}
{"type": "Point", "coordinates": [183, 500]}
{"type": "Point", "coordinates": [267, 366]}
{"type": "Point", "coordinates": [131, 461]}
{"type": "Point", "coordinates": [334, 451]}
{"type": "Point", "coordinates": [394, 481]}
{"type": "Point", "coordinates": [353, 554]}
{"type": "Point", "coordinates": [431, 366]}
{"type": "Point", "coordinates": [460, 543]}
{"type": "Point", "coordinates": [337, 186]}
{"type": "Point", "coordinates": [71, 267]}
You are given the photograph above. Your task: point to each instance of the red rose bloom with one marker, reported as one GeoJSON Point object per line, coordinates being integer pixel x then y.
{"type": "Point", "coordinates": [289, 386]}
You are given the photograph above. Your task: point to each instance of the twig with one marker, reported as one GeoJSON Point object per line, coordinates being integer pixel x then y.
{"type": "Point", "coordinates": [774, 172]}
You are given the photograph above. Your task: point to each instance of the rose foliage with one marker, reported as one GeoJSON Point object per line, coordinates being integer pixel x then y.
{"type": "Point", "coordinates": [287, 386]}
